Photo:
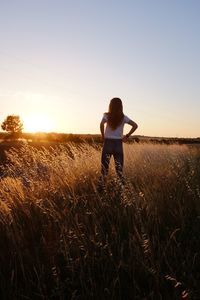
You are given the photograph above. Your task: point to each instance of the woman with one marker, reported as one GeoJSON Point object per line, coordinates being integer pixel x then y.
{"type": "Point", "coordinates": [113, 137]}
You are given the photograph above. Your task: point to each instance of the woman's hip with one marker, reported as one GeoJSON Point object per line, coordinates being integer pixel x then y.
{"type": "Point", "coordinates": [113, 146]}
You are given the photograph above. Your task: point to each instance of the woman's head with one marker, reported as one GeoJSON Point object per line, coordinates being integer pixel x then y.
{"type": "Point", "coordinates": [115, 113]}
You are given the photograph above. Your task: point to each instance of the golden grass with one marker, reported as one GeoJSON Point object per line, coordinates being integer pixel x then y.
{"type": "Point", "coordinates": [63, 240]}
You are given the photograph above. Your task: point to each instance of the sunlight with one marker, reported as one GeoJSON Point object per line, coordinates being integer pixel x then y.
{"type": "Point", "coordinates": [38, 123]}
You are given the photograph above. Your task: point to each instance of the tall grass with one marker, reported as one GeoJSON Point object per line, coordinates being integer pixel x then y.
{"type": "Point", "coordinates": [61, 239]}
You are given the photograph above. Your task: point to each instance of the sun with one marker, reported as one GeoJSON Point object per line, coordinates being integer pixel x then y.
{"type": "Point", "coordinates": [38, 123]}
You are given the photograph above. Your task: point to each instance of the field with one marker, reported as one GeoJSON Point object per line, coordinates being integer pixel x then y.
{"type": "Point", "coordinates": [62, 239]}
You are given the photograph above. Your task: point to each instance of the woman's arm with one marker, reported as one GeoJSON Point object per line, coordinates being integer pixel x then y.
{"type": "Point", "coordinates": [102, 129]}
{"type": "Point", "coordinates": [134, 127]}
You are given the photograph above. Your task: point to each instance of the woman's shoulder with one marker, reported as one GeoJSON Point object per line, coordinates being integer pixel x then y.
{"type": "Point", "coordinates": [126, 119]}
{"type": "Point", "coordinates": [105, 115]}
{"type": "Point", "coordinates": [104, 118]}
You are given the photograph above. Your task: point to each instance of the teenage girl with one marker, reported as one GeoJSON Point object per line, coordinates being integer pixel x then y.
{"type": "Point", "coordinates": [113, 137]}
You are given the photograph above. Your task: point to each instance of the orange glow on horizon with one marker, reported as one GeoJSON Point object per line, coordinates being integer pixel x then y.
{"type": "Point", "coordinates": [38, 123]}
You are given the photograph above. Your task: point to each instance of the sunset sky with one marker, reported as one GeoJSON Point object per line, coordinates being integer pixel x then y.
{"type": "Point", "coordinates": [62, 61]}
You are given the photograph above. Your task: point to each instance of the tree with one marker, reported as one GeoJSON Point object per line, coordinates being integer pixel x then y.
{"type": "Point", "coordinates": [13, 125]}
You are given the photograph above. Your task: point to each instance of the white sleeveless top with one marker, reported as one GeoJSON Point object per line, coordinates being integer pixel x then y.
{"type": "Point", "coordinates": [116, 133]}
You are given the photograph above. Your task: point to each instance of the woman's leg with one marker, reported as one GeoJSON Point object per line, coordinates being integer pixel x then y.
{"type": "Point", "coordinates": [119, 160]}
{"type": "Point", "coordinates": [105, 160]}
{"type": "Point", "coordinates": [105, 157]}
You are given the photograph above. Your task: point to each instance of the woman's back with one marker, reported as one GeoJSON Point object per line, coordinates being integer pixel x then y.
{"type": "Point", "coordinates": [116, 133]}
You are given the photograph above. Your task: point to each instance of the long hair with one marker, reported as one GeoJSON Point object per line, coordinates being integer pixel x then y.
{"type": "Point", "coordinates": [115, 113]}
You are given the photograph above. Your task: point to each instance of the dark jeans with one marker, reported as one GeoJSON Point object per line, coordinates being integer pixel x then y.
{"type": "Point", "coordinates": [112, 147]}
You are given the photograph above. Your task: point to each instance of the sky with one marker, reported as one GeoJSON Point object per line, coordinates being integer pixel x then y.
{"type": "Point", "coordinates": [62, 61]}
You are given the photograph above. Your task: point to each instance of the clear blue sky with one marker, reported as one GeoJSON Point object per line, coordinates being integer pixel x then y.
{"type": "Point", "coordinates": [66, 60]}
